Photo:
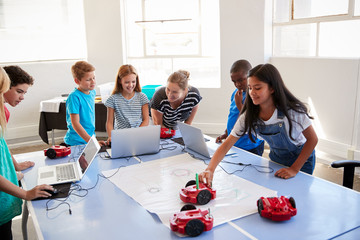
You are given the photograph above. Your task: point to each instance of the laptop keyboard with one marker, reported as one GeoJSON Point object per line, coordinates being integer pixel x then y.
{"type": "Point", "coordinates": [65, 172]}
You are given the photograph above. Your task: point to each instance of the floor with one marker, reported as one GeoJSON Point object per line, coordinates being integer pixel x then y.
{"type": "Point", "coordinates": [322, 170]}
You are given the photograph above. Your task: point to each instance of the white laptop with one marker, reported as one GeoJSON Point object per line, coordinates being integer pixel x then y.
{"type": "Point", "coordinates": [129, 142]}
{"type": "Point", "coordinates": [194, 140]}
{"type": "Point", "coordinates": [73, 171]}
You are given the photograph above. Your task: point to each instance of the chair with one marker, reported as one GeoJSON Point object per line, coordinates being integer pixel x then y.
{"type": "Point", "coordinates": [349, 170]}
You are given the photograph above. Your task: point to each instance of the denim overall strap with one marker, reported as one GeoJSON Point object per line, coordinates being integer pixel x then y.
{"type": "Point", "coordinates": [282, 150]}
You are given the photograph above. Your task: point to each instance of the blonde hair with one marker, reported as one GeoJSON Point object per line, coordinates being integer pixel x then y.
{"type": "Point", "coordinates": [4, 87]}
{"type": "Point", "coordinates": [181, 77]}
{"type": "Point", "coordinates": [125, 70]}
{"type": "Point", "coordinates": [80, 68]}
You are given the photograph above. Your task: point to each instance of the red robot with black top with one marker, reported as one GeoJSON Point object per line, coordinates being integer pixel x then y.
{"type": "Point", "coordinates": [277, 208]}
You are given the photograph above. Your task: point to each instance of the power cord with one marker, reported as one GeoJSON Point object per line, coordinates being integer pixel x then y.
{"type": "Point", "coordinates": [164, 143]}
{"type": "Point", "coordinates": [76, 189]}
{"type": "Point", "coordinates": [259, 168]}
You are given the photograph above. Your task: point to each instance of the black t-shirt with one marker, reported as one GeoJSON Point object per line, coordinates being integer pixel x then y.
{"type": "Point", "coordinates": [160, 103]}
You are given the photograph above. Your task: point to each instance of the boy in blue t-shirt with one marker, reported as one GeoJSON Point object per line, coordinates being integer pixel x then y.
{"type": "Point", "coordinates": [80, 105]}
{"type": "Point", "coordinates": [238, 72]}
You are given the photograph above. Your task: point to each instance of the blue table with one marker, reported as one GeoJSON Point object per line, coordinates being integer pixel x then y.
{"type": "Point", "coordinates": [325, 210]}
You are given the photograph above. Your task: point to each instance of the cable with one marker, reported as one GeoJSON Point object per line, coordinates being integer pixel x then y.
{"type": "Point", "coordinates": [78, 188]}
{"type": "Point", "coordinates": [166, 143]}
{"type": "Point", "coordinates": [258, 168]}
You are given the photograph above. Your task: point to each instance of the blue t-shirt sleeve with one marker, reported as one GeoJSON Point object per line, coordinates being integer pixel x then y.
{"type": "Point", "coordinates": [233, 96]}
{"type": "Point", "coordinates": [73, 104]}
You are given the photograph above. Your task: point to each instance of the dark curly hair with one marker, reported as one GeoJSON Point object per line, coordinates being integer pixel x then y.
{"type": "Point", "coordinates": [18, 76]}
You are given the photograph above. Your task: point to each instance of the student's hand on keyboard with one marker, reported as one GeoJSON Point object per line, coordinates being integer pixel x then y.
{"type": "Point", "coordinates": [102, 143]}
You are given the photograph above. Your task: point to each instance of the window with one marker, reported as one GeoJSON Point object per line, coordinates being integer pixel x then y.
{"type": "Point", "coordinates": [316, 28]}
{"type": "Point", "coordinates": [319, 8]}
{"type": "Point", "coordinates": [33, 30]}
{"type": "Point", "coordinates": [164, 36]}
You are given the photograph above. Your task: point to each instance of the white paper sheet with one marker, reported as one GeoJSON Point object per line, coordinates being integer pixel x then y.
{"type": "Point", "coordinates": [156, 186]}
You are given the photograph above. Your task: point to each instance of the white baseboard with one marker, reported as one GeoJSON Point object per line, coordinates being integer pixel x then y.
{"type": "Point", "coordinates": [334, 148]}
{"type": "Point", "coordinates": [22, 132]}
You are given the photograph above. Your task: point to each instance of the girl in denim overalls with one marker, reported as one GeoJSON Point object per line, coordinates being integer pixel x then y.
{"type": "Point", "coordinates": [274, 114]}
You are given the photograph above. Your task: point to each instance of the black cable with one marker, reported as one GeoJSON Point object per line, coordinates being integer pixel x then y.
{"type": "Point", "coordinates": [258, 168]}
{"type": "Point", "coordinates": [78, 188]}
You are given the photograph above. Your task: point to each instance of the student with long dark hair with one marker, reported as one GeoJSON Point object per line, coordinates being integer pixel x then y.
{"type": "Point", "coordinates": [272, 113]}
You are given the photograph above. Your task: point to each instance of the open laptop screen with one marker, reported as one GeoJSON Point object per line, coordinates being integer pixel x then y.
{"type": "Point", "coordinates": [88, 154]}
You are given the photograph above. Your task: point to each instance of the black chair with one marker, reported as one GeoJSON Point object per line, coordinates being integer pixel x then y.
{"type": "Point", "coordinates": [349, 170]}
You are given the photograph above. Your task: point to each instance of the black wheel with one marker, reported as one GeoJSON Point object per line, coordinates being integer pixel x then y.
{"type": "Point", "coordinates": [203, 197]}
{"type": "Point", "coordinates": [191, 182]}
{"type": "Point", "coordinates": [292, 202]}
{"type": "Point", "coordinates": [50, 153]}
{"type": "Point", "coordinates": [187, 207]}
{"type": "Point", "coordinates": [194, 227]}
{"type": "Point", "coordinates": [260, 205]}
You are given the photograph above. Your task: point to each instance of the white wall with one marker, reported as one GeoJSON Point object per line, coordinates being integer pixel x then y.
{"type": "Point", "coordinates": [242, 30]}
{"type": "Point", "coordinates": [331, 84]}
{"type": "Point", "coordinates": [242, 26]}
{"type": "Point", "coordinates": [331, 88]}
{"type": "Point", "coordinates": [51, 80]}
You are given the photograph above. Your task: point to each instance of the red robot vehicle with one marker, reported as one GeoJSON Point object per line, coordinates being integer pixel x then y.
{"type": "Point", "coordinates": [277, 208]}
{"type": "Point", "coordinates": [191, 221]}
{"type": "Point", "coordinates": [57, 151]}
{"type": "Point", "coordinates": [197, 193]}
{"type": "Point", "coordinates": [167, 133]}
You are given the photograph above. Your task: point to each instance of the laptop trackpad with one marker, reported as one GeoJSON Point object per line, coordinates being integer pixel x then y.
{"type": "Point", "coordinates": [48, 174]}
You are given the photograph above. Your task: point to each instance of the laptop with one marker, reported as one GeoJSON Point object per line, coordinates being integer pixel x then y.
{"type": "Point", "coordinates": [70, 172]}
{"type": "Point", "coordinates": [194, 140]}
{"type": "Point", "coordinates": [129, 142]}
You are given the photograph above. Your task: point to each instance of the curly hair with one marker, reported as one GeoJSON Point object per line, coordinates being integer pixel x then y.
{"type": "Point", "coordinates": [18, 76]}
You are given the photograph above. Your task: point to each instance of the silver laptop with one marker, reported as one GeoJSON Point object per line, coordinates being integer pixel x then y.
{"type": "Point", "coordinates": [70, 172]}
{"type": "Point", "coordinates": [129, 142]}
{"type": "Point", "coordinates": [194, 140]}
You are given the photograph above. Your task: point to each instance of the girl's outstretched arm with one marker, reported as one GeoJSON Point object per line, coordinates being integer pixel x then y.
{"type": "Point", "coordinates": [311, 141]}
{"type": "Point", "coordinates": [208, 174]}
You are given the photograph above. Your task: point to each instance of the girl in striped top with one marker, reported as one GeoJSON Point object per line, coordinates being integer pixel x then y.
{"type": "Point", "coordinates": [127, 104]}
{"type": "Point", "coordinates": [176, 102]}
